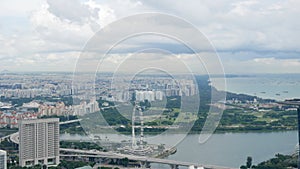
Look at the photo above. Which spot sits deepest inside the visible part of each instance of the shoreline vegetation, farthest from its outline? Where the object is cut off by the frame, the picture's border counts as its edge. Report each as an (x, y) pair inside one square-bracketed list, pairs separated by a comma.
[(192, 133), (280, 161), (243, 113)]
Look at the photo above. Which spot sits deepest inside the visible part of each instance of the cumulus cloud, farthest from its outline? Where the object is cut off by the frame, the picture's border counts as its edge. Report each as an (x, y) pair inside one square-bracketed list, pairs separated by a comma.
[(251, 33), (70, 22), (53, 30), (241, 25), (71, 10)]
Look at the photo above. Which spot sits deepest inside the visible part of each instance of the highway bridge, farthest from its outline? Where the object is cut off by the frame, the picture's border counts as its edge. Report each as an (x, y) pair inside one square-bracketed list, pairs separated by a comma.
[(142, 159), (69, 121), (7, 136)]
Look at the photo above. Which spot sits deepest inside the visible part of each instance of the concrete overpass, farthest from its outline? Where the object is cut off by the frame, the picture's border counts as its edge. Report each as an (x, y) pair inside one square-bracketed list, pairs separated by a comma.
[(5, 137), (142, 159), (110, 155), (70, 121)]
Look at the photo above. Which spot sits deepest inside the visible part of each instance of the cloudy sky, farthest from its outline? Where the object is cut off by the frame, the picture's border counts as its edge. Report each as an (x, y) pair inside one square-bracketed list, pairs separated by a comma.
[(249, 36)]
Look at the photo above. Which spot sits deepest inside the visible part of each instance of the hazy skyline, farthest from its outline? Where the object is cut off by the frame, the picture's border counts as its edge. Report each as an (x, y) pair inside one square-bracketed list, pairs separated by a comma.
[(249, 36)]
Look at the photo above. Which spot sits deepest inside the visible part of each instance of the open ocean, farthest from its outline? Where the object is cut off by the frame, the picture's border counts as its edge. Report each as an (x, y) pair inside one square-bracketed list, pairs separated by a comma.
[(271, 86)]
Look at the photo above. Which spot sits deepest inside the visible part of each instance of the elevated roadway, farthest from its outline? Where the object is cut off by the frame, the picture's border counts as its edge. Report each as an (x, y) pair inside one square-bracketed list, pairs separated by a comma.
[(172, 163)]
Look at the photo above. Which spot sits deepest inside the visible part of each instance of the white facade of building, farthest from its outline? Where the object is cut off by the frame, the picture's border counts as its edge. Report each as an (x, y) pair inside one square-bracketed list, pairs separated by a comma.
[(159, 95), (3, 159), (148, 95), (39, 142)]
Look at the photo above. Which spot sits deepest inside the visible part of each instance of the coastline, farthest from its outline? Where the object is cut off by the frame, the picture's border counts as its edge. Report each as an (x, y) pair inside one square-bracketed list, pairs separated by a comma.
[(192, 133)]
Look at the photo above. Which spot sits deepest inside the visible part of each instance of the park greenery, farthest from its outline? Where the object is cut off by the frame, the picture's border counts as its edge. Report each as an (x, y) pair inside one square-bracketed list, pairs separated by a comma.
[(278, 162), (80, 145), (7, 145), (234, 119), (251, 120), (62, 165)]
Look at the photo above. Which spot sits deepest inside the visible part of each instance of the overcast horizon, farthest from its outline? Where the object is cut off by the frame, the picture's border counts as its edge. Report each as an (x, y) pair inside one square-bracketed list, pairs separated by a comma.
[(250, 37)]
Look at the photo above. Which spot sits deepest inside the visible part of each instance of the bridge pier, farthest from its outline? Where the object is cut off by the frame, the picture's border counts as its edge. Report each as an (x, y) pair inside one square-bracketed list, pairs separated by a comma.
[(115, 161), (118, 159), (174, 166), (145, 164), (91, 159), (196, 167)]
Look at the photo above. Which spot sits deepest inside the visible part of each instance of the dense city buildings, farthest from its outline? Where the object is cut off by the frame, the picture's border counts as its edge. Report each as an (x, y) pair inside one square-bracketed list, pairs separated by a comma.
[(53, 94), (10, 119), (3, 164), (39, 142), (59, 85), (30, 96), (35, 109), (157, 104)]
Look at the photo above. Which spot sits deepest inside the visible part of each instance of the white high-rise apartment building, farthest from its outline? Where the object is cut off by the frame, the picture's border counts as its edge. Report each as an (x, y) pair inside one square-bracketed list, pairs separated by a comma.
[(39, 142), (144, 95), (159, 95), (3, 159)]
